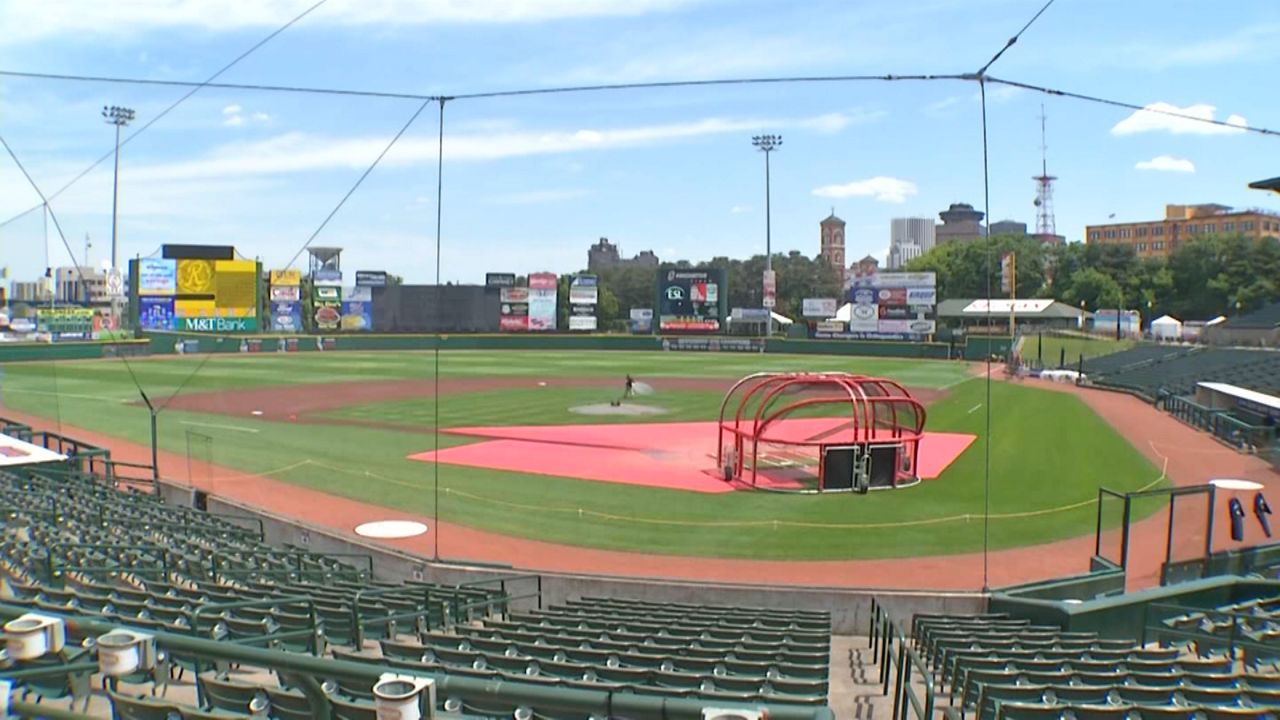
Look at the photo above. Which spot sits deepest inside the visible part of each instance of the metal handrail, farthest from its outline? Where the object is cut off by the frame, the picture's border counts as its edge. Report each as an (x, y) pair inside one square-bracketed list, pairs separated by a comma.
[(306, 668), (884, 634)]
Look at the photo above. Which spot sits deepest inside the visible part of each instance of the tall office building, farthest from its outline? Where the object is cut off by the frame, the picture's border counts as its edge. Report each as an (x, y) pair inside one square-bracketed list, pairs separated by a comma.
[(909, 238)]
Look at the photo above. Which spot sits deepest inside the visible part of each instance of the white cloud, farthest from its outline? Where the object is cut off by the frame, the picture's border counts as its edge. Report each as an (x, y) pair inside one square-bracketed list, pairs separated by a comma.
[(712, 54), (297, 152), (35, 20), (883, 189), (1184, 121), (739, 209), (233, 116), (1167, 163)]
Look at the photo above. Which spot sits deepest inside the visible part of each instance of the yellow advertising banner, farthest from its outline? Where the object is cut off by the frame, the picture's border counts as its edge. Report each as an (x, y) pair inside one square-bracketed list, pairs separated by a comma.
[(286, 277), (209, 309), (236, 284), (195, 277)]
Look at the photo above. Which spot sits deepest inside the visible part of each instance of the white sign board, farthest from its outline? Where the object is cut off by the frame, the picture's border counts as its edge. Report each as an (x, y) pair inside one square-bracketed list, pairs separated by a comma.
[(16, 452), (819, 307)]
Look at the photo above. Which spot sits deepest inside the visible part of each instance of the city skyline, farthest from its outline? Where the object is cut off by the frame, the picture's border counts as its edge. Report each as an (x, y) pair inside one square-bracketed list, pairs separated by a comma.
[(531, 180)]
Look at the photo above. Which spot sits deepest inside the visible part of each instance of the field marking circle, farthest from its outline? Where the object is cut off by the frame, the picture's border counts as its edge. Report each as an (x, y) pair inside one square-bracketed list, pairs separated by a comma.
[(391, 529)]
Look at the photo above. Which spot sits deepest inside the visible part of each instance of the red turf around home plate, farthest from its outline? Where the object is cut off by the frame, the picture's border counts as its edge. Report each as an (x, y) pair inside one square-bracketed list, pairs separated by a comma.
[(678, 455)]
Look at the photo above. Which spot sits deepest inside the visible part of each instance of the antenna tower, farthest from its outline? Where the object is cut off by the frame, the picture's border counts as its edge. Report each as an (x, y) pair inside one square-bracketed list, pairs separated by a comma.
[(1046, 231)]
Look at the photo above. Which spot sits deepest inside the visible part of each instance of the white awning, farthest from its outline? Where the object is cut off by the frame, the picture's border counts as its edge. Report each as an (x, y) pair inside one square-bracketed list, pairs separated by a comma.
[(1253, 396), (17, 452)]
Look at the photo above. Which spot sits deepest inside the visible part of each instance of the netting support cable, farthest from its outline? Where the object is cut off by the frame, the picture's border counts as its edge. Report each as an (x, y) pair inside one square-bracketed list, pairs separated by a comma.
[(986, 440), (435, 424)]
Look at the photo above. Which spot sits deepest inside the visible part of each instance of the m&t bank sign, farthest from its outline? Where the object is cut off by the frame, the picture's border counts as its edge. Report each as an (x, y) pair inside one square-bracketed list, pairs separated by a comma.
[(216, 324)]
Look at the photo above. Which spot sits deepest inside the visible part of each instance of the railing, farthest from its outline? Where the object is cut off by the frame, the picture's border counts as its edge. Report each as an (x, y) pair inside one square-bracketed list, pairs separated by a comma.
[(894, 653), (308, 672), (300, 555), (1234, 639)]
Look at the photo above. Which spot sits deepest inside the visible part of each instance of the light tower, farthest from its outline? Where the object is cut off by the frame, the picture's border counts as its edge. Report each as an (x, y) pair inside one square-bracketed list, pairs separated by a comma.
[(118, 116), (767, 144), (1046, 232)]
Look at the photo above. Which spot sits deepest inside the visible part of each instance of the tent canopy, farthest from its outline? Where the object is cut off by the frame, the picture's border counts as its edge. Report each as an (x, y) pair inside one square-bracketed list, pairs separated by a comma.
[(1167, 320)]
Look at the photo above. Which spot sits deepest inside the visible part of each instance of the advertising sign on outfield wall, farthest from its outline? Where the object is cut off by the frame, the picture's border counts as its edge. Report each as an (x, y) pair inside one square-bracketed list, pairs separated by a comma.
[(157, 277), (155, 313), (371, 278), (542, 301), (819, 307), (500, 280), (286, 316)]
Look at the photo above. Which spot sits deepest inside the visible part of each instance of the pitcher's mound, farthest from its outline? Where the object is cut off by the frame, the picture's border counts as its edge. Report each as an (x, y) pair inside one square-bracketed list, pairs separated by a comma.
[(623, 409)]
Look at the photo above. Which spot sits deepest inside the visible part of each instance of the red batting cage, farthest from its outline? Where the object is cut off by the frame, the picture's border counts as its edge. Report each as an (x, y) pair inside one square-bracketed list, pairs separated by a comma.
[(819, 432)]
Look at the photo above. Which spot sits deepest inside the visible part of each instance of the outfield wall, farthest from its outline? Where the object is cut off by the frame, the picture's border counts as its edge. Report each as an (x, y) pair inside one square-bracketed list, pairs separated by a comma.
[(165, 343), (162, 343), (850, 607)]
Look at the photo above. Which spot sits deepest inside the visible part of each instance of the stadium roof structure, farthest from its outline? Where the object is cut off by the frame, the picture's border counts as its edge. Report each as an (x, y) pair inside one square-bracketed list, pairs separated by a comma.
[(1265, 317), (1042, 309), (1272, 184)]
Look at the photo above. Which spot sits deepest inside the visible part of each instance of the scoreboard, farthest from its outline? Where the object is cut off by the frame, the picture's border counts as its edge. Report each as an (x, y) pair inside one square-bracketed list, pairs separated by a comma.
[(692, 301)]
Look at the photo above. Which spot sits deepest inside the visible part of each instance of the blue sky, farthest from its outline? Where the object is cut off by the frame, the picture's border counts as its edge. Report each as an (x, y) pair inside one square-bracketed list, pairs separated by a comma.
[(530, 182)]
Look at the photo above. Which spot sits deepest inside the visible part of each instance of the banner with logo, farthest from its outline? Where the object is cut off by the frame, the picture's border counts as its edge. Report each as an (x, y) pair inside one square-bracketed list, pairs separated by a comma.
[(371, 278), (65, 323), (542, 301), (156, 313), (499, 280), (641, 320), (513, 311), (286, 277), (830, 326), (324, 276), (890, 306), (865, 317), (157, 277), (819, 307), (286, 317), (922, 296), (217, 324), (770, 289), (285, 293)]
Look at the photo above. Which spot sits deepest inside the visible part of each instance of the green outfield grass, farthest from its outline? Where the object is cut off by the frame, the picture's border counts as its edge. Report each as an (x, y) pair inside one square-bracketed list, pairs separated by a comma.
[(1048, 451), (1053, 347)]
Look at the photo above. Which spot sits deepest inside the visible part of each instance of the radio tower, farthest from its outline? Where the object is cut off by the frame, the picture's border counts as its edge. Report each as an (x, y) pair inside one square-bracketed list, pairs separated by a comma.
[(1046, 232)]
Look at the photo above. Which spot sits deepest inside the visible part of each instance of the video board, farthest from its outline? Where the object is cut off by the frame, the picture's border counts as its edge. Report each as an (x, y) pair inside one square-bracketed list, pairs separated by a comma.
[(692, 301)]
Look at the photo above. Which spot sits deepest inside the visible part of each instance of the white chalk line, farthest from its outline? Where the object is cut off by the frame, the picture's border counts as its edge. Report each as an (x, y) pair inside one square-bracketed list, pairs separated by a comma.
[(236, 428)]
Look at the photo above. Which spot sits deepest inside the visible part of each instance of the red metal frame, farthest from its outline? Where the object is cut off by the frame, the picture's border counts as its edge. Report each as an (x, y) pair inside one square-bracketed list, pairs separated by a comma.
[(863, 394)]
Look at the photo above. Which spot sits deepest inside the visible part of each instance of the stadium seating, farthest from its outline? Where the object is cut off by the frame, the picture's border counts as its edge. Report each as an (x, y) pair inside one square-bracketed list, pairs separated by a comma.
[(1157, 370), (997, 666), (72, 546)]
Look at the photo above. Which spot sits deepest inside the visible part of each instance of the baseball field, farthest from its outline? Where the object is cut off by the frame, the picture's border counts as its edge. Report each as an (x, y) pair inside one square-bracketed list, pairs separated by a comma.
[(348, 424)]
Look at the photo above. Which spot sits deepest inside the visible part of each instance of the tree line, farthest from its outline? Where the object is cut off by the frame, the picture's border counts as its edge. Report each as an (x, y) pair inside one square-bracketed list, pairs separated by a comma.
[(1202, 278), (798, 277)]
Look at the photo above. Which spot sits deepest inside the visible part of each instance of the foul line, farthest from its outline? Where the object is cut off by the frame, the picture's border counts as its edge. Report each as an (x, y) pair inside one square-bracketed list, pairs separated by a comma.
[(975, 409), (763, 522), (236, 428)]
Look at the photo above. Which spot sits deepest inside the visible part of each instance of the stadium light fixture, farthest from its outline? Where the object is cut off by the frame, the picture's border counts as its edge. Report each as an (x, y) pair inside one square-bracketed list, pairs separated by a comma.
[(120, 117), (767, 144)]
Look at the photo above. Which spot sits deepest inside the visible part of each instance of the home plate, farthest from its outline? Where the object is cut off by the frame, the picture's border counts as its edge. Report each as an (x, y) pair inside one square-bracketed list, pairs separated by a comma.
[(256, 412), (391, 529)]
